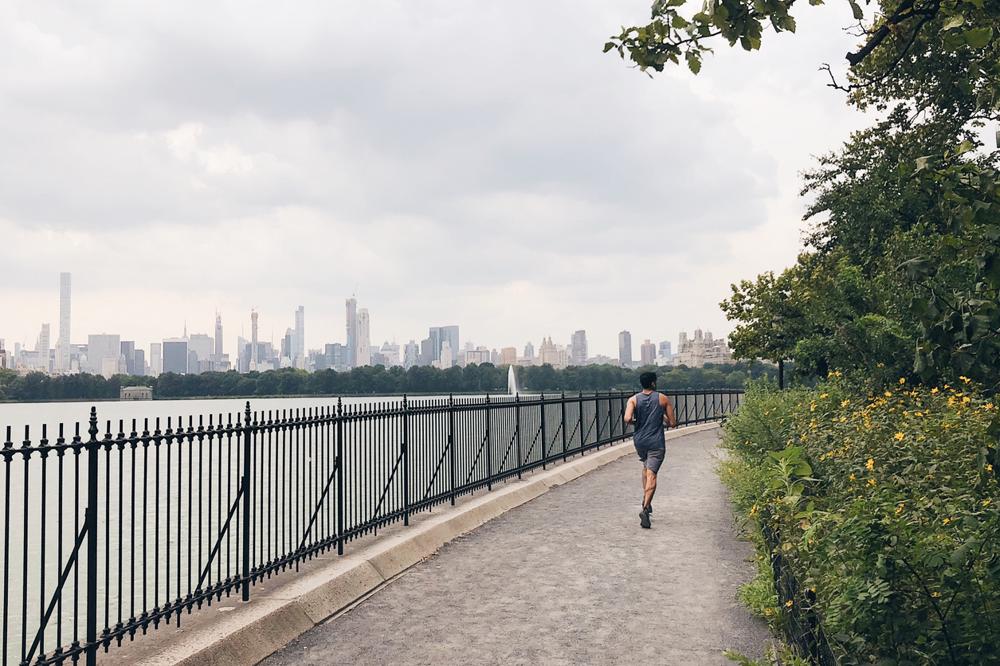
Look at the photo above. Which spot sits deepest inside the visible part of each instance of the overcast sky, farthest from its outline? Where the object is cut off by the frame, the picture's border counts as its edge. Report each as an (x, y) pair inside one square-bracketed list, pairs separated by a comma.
[(450, 162)]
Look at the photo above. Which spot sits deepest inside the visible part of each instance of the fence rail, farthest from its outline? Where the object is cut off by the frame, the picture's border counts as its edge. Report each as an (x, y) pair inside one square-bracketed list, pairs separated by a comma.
[(111, 532)]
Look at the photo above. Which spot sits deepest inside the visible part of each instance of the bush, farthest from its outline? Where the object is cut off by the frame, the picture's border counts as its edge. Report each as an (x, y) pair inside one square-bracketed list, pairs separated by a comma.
[(886, 508)]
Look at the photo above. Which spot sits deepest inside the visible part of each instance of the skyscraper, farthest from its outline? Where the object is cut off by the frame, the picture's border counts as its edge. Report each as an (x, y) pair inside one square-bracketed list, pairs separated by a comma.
[(217, 365), (411, 354), (437, 336), (625, 349), (63, 349), (203, 347), (155, 358), (175, 355), (128, 351), (364, 349), (254, 360), (43, 347), (103, 352), (140, 363), (508, 356), (352, 331), (447, 358), (578, 349), (299, 339), (529, 352), (647, 353), (665, 349)]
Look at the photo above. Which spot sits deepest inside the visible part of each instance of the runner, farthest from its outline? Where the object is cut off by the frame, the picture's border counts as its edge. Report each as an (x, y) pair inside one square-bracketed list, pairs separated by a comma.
[(650, 411)]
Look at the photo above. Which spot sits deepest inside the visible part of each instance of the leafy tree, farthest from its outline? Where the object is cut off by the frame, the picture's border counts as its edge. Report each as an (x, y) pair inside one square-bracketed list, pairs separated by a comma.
[(901, 273)]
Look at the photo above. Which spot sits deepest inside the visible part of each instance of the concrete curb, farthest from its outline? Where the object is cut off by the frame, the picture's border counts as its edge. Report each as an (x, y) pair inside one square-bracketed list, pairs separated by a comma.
[(252, 631)]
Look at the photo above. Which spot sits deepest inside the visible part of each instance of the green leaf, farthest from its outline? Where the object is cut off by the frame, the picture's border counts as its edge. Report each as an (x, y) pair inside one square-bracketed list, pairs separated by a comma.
[(693, 61), (954, 22), (977, 38), (856, 8), (608, 46)]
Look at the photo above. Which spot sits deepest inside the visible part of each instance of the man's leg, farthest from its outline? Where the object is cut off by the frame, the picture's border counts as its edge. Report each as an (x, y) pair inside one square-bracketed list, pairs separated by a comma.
[(649, 489)]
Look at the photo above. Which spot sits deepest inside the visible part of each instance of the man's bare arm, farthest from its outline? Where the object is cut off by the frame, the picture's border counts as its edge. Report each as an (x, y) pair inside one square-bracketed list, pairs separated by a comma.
[(669, 417), (630, 410)]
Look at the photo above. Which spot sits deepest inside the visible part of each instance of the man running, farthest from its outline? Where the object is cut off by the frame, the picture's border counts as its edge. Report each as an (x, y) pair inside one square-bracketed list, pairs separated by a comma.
[(651, 411)]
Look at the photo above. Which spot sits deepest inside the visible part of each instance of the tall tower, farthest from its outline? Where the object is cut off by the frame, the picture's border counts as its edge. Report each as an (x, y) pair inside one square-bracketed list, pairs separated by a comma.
[(578, 349), (352, 332), (364, 349), (63, 345), (625, 349), (299, 339), (253, 340), (42, 346), (218, 340)]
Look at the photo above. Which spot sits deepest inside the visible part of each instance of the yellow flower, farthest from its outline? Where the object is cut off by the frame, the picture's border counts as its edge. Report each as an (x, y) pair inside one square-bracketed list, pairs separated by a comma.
[(899, 509), (965, 380), (824, 395), (788, 604), (987, 502), (888, 394), (989, 467), (918, 413), (899, 437), (988, 406), (852, 477), (936, 594), (870, 465), (902, 380), (872, 482), (934, 391), (946, 521), (966, 400)]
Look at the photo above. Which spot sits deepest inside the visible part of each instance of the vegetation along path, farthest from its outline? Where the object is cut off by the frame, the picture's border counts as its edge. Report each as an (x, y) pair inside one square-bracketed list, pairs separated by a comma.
[(568, 578)]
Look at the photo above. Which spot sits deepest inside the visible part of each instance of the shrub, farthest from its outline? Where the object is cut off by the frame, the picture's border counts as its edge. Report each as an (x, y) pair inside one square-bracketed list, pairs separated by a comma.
[(886, 508)]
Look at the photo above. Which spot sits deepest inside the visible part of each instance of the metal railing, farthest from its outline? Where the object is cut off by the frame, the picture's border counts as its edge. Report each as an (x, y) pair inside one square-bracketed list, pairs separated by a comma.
[(109, 533)]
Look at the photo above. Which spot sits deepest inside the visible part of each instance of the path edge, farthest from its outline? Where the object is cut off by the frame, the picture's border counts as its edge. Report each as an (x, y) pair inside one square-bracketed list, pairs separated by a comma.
[(253, 631)]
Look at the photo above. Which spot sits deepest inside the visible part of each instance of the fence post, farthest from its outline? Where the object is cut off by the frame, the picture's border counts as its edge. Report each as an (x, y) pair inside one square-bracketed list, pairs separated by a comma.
[(583, 444), (451, 443), (541, 407), (562, 407), (406, 462), (489, 448), (246, 502), (91, 517), (339, 434), (611, 419), (517, 431)]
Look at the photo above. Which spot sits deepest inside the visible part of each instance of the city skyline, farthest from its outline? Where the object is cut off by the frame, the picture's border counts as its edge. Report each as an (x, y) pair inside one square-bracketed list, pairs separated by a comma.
[(107, 354), (500, 203)]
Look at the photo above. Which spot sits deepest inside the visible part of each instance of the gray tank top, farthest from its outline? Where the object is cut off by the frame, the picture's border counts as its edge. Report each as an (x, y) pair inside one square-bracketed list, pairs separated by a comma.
[(648, 421)]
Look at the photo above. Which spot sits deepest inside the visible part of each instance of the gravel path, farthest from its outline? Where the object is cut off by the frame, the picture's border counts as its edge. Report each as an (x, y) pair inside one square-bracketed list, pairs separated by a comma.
[(568, 578)]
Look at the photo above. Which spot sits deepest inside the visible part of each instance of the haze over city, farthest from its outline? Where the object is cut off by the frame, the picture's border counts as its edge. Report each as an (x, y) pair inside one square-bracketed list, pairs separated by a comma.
[(494, 179)]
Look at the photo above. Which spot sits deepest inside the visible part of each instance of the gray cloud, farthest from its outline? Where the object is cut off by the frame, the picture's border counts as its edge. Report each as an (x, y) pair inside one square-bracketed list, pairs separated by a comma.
[(482, 163)]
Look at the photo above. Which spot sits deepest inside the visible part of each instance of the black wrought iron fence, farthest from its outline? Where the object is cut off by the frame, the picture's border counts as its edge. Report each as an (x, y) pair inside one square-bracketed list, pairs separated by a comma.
[(109, 532), (800, 622)]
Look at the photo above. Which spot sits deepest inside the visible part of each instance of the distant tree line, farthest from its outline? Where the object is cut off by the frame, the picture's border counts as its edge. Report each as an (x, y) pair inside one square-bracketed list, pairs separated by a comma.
[(375, 380)]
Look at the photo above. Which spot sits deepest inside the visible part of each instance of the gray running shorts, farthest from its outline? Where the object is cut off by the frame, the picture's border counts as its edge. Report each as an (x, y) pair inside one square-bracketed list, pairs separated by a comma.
[(651, 458)]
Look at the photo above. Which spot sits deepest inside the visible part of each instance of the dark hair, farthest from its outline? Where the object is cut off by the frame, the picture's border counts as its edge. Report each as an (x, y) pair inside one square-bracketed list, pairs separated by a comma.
[(648, 380)]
